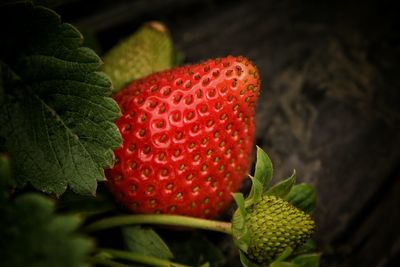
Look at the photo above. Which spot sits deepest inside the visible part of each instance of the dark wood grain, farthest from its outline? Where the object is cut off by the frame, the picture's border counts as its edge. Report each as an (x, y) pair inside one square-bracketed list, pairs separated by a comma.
[(329, 105)]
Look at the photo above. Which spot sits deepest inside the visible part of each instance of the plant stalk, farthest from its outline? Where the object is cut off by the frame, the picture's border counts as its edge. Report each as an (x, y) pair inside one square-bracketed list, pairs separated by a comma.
[(161, 219)]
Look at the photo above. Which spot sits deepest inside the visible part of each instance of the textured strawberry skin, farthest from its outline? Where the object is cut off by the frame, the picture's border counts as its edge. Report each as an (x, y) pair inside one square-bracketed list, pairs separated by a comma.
[(187, 138)]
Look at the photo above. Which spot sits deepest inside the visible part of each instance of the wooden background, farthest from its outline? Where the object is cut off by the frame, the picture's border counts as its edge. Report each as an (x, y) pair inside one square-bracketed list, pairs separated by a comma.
[(329, 105)]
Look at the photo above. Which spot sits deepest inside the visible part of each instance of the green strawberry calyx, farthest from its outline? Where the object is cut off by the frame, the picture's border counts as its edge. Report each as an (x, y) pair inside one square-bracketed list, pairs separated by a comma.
[(272, 222)]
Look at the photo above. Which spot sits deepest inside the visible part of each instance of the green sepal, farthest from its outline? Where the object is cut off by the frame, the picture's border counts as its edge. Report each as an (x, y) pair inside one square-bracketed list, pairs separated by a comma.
[(285, 254), (283, 188), (263, 171), (282, 264), (262, 176), (240, 233), (257, 190), (239, 200), (308, 247), (303, 196), (246, 262), (304, 260), (146, 241), (103, 255), (307, 260)]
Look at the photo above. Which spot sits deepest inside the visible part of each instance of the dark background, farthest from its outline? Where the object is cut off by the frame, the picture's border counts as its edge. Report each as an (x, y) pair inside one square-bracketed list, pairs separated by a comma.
[(329, 105)]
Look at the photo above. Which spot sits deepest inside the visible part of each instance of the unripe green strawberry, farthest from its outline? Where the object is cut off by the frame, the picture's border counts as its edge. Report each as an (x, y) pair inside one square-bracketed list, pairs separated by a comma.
[(146, 51), (273, 225)]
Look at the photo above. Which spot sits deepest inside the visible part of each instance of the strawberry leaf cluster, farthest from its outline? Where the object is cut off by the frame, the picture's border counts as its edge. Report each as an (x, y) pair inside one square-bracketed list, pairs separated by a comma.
[(56, 113), (33, 235), (56, 131)]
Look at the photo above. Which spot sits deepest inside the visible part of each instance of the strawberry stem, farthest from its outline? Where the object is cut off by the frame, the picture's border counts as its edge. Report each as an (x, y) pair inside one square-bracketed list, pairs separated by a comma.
[(161, 219), (131, 256)]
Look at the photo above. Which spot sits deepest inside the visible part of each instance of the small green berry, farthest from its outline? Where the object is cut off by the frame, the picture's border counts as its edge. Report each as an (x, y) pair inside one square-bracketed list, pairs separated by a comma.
[(273, 225), (146, 51)]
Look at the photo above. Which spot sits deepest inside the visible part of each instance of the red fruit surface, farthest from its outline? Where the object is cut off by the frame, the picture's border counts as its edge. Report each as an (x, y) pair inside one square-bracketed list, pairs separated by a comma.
[(187, 138)]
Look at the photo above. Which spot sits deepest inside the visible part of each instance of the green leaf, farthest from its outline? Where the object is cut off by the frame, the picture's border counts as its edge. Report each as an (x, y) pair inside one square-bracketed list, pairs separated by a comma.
[(303, 196), (146, 241), (283, 188), (7, 79), (240, 233), (307, 260), (57, 119), (32, 235), (194, 249), (147, 50), (246, 262), (262, 176)]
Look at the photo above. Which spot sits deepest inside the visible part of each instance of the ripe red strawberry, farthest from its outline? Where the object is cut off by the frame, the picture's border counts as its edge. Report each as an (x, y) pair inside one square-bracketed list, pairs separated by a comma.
[(187, 138)]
